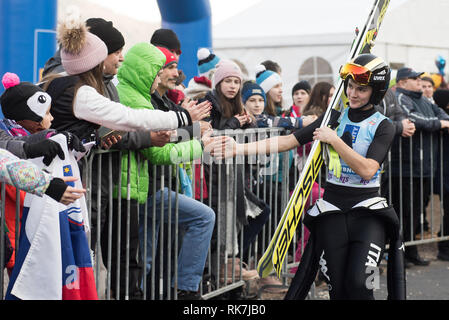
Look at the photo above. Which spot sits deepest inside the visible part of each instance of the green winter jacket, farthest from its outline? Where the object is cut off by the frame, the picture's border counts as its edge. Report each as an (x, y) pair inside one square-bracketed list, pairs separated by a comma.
[(136, 75)]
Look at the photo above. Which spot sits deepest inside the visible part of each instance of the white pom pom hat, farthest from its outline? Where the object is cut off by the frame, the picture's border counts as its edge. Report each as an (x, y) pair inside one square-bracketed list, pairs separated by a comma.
[(267, 79)]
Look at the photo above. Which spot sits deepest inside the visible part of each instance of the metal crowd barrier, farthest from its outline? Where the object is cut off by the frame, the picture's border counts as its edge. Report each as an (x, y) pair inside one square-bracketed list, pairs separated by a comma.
[(260, 173)]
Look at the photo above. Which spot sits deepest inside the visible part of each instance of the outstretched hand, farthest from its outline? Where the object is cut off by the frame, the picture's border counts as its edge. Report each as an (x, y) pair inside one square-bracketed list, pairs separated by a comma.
[(220, 147), (71, 194), (160, 138), (197, 111), (243, 119)]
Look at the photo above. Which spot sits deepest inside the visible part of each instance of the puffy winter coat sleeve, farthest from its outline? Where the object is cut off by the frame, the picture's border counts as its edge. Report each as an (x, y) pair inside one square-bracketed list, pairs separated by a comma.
[(15, 144), (390, 108), (89, 105), (12, 144), (174, 153), (134, 141), (440, 113), (22, 174), (422, 122)]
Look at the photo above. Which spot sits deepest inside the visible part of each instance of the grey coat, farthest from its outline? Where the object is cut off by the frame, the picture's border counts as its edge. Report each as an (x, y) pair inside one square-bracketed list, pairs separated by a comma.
[(15, 144)]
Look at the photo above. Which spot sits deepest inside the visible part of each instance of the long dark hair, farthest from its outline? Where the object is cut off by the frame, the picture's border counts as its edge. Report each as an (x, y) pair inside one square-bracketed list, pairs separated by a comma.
[(319, 97), (270, 106), (230, 107)]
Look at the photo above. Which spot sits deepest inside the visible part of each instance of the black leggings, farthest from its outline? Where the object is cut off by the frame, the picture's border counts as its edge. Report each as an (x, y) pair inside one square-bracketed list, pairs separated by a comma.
[(350, 246)]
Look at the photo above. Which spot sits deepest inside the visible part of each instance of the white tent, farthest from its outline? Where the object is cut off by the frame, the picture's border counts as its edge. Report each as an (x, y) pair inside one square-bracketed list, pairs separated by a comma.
[(313, 38)]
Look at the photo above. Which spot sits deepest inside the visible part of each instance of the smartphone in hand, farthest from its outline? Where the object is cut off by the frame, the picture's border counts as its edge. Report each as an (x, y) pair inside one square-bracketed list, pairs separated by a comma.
[(113, 133)]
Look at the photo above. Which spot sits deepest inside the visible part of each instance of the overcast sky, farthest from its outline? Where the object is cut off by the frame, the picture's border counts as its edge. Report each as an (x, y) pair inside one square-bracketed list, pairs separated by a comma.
[(148, 10)]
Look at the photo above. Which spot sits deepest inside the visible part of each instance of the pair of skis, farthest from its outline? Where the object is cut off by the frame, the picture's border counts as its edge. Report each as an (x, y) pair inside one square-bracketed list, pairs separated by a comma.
[(276, 251)]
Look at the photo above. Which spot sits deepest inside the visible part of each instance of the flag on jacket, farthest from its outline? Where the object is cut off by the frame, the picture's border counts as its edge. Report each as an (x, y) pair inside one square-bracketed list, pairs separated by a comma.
[(53, 261)]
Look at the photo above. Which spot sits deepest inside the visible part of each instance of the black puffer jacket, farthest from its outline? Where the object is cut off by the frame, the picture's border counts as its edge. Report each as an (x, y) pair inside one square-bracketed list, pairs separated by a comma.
[(426, 117), (217, 119), (238, 174)]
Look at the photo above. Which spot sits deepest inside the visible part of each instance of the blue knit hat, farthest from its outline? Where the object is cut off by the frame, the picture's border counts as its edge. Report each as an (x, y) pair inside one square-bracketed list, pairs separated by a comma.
[(267, 79), (207, 61), (250, 89)]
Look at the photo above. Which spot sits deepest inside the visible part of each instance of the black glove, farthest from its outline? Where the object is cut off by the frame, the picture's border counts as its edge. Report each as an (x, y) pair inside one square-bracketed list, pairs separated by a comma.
[(49, 149), (73, 142), (56, 189)]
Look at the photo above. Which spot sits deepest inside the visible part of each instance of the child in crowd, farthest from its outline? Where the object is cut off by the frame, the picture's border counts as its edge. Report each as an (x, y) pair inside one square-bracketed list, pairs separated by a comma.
[(320, 98), (26, 108), (228, 113), (271, 84), (226, 98), (255, 99)]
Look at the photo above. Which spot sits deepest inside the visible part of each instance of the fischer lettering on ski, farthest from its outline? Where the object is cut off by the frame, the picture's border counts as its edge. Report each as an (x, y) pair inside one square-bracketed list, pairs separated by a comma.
[(297, 209)]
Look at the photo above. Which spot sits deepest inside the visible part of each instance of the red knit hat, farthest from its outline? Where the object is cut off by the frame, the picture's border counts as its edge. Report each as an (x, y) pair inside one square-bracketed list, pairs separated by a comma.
[(169, 56)]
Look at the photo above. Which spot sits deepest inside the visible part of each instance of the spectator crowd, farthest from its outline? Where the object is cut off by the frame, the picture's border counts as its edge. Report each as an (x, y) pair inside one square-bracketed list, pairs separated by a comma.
[(158, 124)]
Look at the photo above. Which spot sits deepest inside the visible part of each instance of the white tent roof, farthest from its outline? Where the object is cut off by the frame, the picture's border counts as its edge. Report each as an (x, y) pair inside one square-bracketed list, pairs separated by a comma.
[(280, 18), (412, 33)]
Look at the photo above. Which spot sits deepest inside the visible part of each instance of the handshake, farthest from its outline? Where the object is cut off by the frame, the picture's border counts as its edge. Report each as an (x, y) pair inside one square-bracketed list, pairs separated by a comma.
[(219, 147)]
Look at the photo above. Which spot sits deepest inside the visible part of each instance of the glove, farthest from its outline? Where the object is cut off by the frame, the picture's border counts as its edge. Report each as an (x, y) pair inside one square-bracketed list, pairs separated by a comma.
[(49, 149), (73, 142), (334, 162), (56, 189)]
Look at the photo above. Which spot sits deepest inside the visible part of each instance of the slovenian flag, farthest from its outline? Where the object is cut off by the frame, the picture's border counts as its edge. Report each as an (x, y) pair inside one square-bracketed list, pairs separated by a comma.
[(53, 261)]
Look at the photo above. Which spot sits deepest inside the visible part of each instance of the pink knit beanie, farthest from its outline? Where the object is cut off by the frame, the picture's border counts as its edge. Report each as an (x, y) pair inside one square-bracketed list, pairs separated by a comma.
[(81, 50), (226, 68)]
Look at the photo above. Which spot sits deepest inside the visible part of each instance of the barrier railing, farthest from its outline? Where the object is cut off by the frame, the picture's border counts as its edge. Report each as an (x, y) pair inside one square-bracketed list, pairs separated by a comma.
[(120, 257)]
